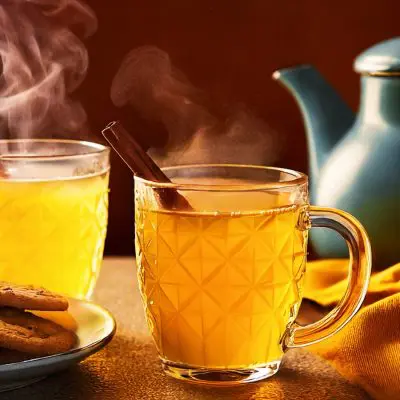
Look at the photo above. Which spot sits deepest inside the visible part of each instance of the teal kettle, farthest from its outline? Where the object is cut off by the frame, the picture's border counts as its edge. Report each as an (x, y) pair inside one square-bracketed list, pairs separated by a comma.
[(355, 159)]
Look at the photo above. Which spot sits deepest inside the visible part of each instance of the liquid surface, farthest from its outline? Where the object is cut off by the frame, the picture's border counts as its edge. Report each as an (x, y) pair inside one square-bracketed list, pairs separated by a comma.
[(219, 199), (52, 232), (220, 289)]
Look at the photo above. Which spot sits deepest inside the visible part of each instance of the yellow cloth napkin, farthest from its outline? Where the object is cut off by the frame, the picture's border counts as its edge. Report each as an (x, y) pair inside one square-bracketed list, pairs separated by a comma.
[(367, 350)]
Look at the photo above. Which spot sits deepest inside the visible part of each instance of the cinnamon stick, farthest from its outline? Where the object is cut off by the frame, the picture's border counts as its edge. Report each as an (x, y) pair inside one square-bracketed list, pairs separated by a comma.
[(3, 172), (142, 165)]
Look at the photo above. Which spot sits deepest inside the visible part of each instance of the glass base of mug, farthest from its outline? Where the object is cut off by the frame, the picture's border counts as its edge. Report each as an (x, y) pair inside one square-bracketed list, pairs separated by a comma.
[(226, 377)]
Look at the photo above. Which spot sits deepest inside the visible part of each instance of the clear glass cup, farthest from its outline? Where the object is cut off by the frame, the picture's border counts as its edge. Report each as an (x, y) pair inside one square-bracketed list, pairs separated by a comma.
[(53, 213), (222, 282)]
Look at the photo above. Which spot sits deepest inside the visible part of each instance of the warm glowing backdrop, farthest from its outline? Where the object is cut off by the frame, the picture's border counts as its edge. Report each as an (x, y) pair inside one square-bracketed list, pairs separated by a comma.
[(229, 49)]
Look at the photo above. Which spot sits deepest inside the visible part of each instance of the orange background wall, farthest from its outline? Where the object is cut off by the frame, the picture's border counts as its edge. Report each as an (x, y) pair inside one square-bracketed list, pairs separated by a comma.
[(229, 48)]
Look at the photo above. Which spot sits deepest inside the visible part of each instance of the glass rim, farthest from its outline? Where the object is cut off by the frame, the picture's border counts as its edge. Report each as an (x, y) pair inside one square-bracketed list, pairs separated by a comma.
[(97, 149), (299, 179)]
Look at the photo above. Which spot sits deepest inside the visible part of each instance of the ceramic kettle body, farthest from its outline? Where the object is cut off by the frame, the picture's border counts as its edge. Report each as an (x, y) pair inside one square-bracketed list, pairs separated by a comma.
[(355, 165), (362, 176)]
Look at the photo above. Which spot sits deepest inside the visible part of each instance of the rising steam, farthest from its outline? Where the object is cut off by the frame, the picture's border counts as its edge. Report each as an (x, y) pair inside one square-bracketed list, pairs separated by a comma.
[(42, 62), (149, 82)]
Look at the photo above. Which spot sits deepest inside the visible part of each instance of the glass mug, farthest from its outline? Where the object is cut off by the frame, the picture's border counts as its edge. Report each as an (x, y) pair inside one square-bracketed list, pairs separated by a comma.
[(222, 284), (53, 213)]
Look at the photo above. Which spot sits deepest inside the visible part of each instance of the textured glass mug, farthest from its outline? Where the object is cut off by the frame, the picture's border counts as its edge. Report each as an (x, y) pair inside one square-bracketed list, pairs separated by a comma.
[(222, 284), (53, 213)]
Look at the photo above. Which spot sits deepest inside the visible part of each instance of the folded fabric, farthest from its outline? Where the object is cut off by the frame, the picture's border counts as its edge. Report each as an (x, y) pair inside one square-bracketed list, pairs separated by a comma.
[(326, 282), (367, 350)]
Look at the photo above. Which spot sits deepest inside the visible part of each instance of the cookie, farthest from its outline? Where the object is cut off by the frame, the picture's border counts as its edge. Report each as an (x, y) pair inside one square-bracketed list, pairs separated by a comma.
[(28, 333), (30, 298), (8, 356)]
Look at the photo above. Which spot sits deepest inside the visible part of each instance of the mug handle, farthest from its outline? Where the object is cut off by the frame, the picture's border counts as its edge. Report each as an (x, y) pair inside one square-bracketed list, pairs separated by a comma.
[(359, 272)]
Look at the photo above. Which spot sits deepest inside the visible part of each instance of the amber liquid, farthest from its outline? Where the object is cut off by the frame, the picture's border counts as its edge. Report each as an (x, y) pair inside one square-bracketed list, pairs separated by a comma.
[(220, 289), (52, 232)]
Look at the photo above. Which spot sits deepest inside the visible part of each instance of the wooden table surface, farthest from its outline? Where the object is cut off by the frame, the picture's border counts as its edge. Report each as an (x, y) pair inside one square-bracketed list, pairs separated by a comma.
[(128, 368)]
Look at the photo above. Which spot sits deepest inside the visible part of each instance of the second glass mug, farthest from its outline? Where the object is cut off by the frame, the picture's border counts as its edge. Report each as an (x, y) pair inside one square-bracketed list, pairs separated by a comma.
[(222, 284), (53, 213)]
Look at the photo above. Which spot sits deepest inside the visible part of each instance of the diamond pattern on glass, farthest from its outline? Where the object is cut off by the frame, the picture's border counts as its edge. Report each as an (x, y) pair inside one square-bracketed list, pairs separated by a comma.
[(52, 232), (219, 290)]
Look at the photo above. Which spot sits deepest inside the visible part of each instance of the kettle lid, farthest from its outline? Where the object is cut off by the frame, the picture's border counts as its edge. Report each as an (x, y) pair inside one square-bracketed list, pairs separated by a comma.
[(380, 59)]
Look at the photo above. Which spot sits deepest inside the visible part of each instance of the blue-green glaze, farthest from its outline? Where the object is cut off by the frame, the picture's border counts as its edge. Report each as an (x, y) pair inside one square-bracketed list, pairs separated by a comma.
[(384, 57), (355, 159)]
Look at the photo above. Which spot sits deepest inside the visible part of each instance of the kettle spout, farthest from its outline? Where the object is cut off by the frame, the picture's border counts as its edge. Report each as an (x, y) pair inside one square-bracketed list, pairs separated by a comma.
[(327, 117)]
